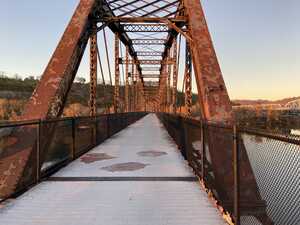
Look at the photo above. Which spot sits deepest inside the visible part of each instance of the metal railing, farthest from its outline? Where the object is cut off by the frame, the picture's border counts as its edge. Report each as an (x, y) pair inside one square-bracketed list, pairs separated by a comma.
[(253, 175), (51, 144)]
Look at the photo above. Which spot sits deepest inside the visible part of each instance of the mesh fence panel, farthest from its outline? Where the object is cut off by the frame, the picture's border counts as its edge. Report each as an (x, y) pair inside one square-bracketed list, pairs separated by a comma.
[(102, 128), (16, 145), (85, 134), (193, 144), (113, 124), (275, 163), (56, 143)]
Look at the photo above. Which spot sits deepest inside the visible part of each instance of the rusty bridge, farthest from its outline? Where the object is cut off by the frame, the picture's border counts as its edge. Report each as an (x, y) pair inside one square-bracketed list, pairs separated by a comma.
[(145, 160)]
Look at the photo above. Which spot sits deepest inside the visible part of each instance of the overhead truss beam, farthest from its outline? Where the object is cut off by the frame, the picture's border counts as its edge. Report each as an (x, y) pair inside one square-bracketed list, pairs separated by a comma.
[(151, 76), (146, 28), (150, 62), (119, 19), (148, 53), (151, 68), (148, 41)]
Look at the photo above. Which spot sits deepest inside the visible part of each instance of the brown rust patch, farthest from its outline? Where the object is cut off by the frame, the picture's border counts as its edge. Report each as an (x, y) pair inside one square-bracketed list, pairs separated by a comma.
[(151, 153), (122, 167), (94, 157)]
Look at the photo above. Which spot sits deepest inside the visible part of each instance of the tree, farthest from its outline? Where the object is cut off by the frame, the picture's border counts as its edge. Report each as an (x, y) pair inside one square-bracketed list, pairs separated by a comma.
[(80, 80)]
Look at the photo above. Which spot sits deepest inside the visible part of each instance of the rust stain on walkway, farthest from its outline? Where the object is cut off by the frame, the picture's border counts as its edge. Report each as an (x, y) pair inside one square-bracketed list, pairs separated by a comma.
[(130, 166), (151, 153), (94, 157)]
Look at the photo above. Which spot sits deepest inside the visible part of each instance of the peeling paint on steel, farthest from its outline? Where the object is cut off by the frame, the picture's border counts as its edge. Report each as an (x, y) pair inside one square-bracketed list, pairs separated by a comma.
[(213, 96)]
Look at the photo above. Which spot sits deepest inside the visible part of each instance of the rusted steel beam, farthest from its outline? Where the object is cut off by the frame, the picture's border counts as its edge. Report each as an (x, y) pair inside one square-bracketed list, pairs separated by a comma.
[(152, 84), (188, 81), (169, 69), (152, 61), (117, 75), (148, 41), (216, 106), (162, 95), (117, 28), (161, 8), (124, 5), (93, 71), (175, 77), (156, 27), (49, 96), (127, 81), (178, 19), (140, 7), (152, 68), (148, 53), (151, 76), (213, 96)]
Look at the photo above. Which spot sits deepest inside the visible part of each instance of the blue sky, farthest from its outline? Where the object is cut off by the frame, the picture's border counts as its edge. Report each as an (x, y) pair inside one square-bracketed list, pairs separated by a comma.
[(257, 42)]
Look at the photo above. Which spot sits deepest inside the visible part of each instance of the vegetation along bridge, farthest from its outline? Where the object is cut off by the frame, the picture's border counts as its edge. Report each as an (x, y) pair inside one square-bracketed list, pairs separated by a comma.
[(144, 160)]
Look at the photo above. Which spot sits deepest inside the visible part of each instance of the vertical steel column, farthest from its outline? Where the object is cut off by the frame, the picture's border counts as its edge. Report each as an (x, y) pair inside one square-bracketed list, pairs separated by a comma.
[(165, 87), (175, 77), (169, 68), (117, 75), (133, 87), (93, 70), (127, 81), (213, 98), (136, 88), (162, 88), (188, 81)]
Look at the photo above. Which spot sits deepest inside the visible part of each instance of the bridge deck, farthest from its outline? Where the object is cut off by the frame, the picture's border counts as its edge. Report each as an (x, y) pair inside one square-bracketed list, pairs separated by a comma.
[(136, 177)]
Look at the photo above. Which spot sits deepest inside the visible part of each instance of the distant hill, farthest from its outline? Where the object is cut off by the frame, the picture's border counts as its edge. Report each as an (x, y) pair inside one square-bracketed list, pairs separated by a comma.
[(282, 102), (17, 88)]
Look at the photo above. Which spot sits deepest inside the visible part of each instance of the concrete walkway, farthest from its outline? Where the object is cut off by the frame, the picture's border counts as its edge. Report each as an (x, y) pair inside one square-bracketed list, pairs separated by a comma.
[(138, 177)]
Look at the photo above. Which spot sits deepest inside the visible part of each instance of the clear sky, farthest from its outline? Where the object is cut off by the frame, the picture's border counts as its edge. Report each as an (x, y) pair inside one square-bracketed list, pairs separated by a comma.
[(257, 42)]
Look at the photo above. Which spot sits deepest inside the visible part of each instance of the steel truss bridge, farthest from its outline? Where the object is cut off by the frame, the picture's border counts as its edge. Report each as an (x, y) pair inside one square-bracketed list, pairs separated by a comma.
[(158, 36)]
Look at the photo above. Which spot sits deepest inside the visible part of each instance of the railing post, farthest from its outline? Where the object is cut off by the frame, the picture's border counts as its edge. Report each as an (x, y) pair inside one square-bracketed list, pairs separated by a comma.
[(38, 152), (95, 132), (73, 138), (236, 175), (183, 138), (107, 127), (202, 151)]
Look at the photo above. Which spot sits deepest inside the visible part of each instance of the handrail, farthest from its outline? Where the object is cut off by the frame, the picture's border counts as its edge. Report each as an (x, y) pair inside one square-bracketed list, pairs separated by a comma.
[(263, 133), (8, 124)]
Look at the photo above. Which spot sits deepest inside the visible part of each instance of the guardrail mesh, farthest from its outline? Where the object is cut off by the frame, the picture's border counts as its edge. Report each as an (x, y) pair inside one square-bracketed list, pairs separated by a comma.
[(254, 175)]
